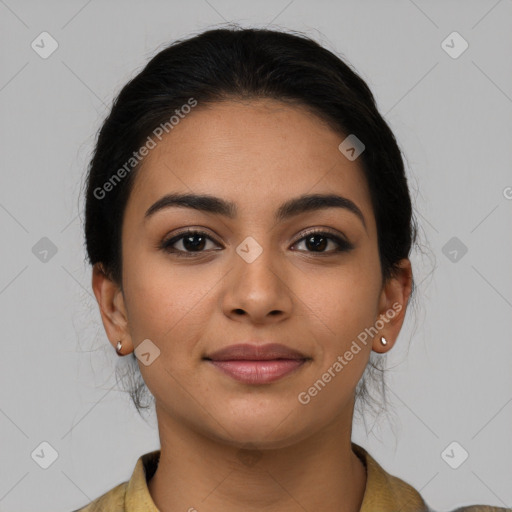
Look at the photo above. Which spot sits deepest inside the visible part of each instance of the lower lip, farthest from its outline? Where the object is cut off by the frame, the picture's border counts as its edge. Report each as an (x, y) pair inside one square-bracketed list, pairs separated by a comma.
[(258, 372)]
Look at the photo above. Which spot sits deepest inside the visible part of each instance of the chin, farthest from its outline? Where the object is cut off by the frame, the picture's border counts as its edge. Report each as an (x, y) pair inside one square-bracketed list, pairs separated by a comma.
[(262, 433)]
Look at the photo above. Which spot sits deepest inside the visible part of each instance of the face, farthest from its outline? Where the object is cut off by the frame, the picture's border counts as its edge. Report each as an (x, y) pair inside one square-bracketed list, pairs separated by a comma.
[(251, 276)]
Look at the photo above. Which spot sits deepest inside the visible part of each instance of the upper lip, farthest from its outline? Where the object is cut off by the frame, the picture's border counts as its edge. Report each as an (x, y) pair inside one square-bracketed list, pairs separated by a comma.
[(251, 352)]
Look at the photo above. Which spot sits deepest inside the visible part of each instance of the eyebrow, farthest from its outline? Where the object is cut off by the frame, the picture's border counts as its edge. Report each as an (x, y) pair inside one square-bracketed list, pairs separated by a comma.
[(291, 208)]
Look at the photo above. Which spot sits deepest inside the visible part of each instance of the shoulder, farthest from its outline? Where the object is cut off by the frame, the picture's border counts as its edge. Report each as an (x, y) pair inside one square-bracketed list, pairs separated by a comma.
[(111, 501), (410, 499), (132, 494), (388, 493), (403, 495)]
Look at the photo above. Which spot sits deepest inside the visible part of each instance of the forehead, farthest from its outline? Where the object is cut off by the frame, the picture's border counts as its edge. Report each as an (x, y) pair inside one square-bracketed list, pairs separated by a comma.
[(258, 153)]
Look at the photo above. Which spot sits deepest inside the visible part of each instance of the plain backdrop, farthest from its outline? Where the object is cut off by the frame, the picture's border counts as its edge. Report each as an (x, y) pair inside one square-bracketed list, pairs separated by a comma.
[(450, 378)]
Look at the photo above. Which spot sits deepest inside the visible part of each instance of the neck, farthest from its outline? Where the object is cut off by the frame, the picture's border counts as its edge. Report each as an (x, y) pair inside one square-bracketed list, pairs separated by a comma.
[(198, 473)]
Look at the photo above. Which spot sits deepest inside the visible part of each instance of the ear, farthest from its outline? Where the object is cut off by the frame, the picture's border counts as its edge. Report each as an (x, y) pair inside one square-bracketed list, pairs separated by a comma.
[(112, 308), (393, 305)]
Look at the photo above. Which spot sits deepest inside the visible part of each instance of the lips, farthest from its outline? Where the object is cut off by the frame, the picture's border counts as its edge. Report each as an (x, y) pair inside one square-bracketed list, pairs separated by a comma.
[(257, 364)]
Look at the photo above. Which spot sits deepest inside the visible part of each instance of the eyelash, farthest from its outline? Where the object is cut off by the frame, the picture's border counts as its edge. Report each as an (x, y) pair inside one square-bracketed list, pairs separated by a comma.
[(166, 245)]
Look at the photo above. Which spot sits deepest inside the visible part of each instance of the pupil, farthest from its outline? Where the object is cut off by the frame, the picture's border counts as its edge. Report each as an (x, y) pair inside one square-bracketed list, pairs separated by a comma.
[(318, 245), (193, 246)]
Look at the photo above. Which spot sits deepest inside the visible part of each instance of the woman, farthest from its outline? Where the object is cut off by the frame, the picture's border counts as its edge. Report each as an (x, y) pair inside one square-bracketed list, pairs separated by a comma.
[(249, 224)]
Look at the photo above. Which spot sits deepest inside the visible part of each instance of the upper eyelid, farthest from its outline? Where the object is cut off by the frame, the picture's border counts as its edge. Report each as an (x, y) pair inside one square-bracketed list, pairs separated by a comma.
[(326, 231)]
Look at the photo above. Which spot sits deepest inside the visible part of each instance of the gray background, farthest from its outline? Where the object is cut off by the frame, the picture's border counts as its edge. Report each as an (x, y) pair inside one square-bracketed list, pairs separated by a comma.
[(450, 378)]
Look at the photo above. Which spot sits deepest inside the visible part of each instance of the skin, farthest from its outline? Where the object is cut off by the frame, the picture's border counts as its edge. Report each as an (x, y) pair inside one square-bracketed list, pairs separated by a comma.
[(257, 153)]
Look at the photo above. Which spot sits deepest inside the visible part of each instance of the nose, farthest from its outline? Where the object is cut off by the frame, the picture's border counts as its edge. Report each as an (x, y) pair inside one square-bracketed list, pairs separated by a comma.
[(257, 291)]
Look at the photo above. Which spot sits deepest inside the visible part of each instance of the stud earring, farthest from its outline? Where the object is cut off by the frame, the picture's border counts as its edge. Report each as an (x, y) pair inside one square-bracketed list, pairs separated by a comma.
[(118, 348), (383, 340)]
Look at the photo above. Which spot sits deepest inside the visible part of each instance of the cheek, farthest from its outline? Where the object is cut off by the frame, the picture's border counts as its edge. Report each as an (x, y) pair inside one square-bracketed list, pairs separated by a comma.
[(341, 305), (345, 298), (164, 306), (353, 304), (155, 296), (167, 302)]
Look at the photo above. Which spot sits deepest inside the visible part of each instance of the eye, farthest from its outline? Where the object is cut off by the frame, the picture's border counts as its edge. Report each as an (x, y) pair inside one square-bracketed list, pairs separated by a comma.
[(192, 241), (318, 240)]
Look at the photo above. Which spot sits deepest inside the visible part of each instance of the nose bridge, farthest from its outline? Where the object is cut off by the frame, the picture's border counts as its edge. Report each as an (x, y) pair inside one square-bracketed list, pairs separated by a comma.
[(256, 238), (256, 261)]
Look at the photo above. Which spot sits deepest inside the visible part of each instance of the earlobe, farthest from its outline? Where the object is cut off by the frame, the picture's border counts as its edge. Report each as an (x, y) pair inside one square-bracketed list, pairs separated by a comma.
[(382, 344)]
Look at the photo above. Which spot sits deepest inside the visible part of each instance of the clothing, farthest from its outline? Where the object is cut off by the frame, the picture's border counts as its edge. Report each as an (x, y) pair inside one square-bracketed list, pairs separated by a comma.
[(383, 493)]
